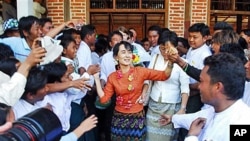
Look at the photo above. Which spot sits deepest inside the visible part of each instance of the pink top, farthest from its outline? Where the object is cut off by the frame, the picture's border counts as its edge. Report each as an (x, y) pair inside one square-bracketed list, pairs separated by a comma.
[(128, 87)]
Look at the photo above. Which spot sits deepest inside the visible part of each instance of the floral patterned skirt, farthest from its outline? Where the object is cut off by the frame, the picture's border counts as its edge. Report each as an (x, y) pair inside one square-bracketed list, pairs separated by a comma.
[(128, 127)]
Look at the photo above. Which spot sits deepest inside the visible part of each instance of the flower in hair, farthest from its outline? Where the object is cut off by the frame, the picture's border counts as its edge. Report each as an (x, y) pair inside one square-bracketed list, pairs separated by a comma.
[(135, 57)]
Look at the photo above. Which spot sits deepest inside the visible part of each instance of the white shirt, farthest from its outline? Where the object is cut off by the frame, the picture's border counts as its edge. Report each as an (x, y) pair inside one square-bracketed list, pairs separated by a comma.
[(154, 50), (11, 89), (195, 57), (22, 108), (75, 77), (171, 89), (246, 95), (69, 137), (107, 65), (60, 102), (96, 59), (84, 55), (217, 124)]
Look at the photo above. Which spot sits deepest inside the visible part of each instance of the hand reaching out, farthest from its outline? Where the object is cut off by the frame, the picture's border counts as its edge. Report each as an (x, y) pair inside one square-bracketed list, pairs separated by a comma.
[(165, 119), (86, 125), (81, 83), (92, 69), (196, 126), (89, 123)]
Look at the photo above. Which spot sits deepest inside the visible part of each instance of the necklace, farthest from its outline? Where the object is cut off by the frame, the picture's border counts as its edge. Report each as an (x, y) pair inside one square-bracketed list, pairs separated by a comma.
[(120, 99)]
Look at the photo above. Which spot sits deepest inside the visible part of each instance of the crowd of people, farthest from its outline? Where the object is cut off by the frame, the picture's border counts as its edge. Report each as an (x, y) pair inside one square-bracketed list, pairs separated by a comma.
[(116, 87)]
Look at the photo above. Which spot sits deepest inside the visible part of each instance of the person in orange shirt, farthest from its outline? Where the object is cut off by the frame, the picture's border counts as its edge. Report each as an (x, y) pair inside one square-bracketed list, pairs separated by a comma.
[(128, 122)]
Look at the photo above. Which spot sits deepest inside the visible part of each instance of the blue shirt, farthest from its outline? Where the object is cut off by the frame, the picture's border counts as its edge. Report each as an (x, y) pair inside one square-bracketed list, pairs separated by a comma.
[(69, 137), (19, 46)]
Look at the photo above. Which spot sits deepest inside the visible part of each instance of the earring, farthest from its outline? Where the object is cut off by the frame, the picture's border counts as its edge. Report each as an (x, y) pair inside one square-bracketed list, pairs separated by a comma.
[(116, 61)]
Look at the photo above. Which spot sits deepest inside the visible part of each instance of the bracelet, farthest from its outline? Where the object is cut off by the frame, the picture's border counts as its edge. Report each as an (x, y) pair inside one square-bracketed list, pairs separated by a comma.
[(183, 66), (185, 69)]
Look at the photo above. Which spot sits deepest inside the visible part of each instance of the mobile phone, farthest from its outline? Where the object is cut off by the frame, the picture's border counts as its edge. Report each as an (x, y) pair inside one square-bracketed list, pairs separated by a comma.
[(39, 43)]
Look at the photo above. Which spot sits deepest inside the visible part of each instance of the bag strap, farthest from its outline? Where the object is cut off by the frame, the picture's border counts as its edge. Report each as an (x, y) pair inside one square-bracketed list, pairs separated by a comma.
[(154, 66), (155, 60)]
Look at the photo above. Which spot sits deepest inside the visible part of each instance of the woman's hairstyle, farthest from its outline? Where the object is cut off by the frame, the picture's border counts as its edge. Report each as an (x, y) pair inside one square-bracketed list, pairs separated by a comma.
[(116, 49), (168, 36), (226, 37)]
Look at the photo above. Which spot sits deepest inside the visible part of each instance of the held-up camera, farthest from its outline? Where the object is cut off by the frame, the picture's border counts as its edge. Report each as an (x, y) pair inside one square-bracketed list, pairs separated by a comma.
[(39, 125)]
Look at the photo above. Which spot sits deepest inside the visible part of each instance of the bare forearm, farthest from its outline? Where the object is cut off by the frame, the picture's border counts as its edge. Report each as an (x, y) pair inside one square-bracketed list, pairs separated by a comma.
[(99, 87), (56, 30), (24, 69), (145, 88), (184, 99), (180, 62), (57, 87)]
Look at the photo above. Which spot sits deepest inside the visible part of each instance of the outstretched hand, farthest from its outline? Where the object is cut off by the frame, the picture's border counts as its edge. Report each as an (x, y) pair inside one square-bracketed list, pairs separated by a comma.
[(86, 125), (165, 120), (92, 69), (89, 123), (196, 126)]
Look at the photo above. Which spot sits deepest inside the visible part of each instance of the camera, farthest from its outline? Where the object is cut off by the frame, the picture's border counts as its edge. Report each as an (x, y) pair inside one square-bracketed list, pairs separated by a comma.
[(39, 125)]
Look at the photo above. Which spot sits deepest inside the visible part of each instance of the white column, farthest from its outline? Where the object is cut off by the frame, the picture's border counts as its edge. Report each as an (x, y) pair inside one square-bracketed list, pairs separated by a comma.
[(24, 8)]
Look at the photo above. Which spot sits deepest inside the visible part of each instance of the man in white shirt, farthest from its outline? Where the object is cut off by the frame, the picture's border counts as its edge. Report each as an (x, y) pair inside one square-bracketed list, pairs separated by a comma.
[(154, 33), (88, 36), (220, 90), (35, 90)]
